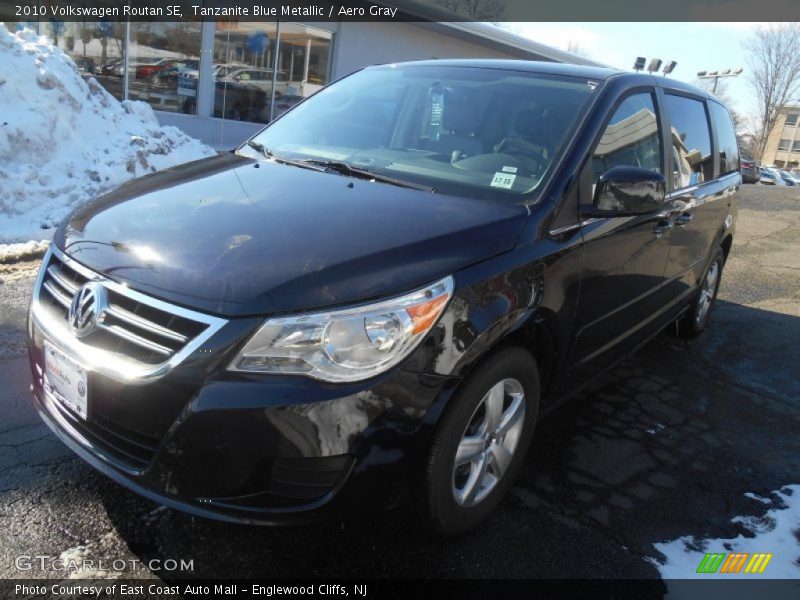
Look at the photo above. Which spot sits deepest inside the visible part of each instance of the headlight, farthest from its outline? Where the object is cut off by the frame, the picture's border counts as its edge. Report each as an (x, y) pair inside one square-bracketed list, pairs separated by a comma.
[(349, 344)]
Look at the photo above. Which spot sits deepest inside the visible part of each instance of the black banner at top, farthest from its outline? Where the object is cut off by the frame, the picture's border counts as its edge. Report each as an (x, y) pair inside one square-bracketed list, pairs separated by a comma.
[(400, 10)]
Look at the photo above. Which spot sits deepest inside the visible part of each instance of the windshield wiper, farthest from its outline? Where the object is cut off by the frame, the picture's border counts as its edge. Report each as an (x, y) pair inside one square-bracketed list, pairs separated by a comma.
[(260, 148), (348, 169), (340, 167), (267, 153)]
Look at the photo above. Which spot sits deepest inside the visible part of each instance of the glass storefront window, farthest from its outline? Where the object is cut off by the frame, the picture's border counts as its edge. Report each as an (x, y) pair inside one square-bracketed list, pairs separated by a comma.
[(163, 65), (244, 68), (97, 47), (304, 57)]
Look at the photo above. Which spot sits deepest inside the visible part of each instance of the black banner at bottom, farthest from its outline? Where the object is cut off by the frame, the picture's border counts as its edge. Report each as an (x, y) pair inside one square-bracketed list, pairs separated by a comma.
[(574, 589)]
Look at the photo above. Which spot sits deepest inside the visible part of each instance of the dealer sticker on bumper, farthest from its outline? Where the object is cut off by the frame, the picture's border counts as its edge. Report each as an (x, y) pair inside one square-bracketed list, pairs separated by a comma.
[(65, 380)]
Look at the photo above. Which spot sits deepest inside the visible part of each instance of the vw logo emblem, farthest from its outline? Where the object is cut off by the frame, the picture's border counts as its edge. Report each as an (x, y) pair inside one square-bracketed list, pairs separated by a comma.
[(88, 304)]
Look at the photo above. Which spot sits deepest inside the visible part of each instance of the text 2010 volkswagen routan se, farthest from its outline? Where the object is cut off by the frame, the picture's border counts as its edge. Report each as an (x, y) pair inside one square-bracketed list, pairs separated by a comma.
[(380, 293)]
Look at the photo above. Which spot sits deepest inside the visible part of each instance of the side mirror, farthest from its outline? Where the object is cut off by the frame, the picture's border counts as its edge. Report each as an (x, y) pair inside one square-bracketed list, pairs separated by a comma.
[(624, 191)]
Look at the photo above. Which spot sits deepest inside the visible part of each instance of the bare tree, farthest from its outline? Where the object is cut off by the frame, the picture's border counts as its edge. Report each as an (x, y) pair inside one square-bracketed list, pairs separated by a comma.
[(119, 38), (574, 46), (479, 10), (184, 37), (745, 126), (724, 94), (86, 36), (774, 60)]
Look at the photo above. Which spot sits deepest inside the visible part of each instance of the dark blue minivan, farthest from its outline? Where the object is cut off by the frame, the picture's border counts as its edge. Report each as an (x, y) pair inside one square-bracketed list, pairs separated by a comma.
[(379, 295)]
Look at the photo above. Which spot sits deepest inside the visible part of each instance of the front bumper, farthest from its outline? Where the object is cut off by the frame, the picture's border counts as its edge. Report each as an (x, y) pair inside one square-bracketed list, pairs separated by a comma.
[(250, 451), (240, 447)]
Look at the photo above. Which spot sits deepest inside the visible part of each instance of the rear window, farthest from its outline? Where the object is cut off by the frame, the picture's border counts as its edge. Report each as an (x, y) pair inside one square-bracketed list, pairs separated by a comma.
[(692, 162), (726, 136)]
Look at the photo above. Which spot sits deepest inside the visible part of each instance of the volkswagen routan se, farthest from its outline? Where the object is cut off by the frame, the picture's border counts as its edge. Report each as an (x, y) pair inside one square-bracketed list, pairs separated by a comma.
[(378, 296)]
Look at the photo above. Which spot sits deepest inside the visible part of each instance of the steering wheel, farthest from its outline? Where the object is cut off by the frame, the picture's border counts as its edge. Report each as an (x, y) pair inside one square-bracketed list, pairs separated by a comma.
[(512, 145)]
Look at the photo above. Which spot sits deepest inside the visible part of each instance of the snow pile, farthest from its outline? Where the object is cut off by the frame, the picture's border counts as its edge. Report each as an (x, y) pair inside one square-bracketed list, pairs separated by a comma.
[(65, 140), (777, 532), (11, 253)]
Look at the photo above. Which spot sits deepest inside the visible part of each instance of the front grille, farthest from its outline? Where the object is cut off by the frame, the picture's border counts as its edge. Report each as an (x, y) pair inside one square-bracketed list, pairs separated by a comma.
[(131, 450), (127, 327), (135, 339)]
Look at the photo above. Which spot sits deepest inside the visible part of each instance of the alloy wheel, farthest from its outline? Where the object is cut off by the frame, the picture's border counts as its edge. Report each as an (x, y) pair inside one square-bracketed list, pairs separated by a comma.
[(707, 290), (488, 443)]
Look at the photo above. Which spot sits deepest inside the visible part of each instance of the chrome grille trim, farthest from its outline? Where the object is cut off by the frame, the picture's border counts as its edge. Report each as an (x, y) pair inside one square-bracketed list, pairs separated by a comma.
[(138, 340), (137, 321), (111, 364), (57, 295), (113, 310), (55, 274)]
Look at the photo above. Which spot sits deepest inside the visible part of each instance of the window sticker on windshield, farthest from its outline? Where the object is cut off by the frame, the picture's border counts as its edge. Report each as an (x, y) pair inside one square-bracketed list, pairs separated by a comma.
[(509, 169), (503, 180), (436, 111)]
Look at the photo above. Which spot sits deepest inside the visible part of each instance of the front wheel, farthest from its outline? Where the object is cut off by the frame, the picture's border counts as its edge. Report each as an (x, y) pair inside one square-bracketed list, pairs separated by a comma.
[(698, 316), (481, 442)]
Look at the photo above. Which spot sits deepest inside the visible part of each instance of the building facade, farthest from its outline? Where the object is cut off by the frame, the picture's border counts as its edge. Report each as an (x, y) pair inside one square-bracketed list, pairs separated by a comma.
[(222, 81), (783, 144)]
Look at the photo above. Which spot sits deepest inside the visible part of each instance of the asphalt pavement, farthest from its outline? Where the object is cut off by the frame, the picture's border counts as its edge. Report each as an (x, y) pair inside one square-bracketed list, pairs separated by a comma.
[(664, 446)]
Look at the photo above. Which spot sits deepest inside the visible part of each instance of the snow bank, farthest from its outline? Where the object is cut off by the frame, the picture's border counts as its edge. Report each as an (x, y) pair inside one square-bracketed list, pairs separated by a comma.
[(65, 140), (778, 532), (11, 253)]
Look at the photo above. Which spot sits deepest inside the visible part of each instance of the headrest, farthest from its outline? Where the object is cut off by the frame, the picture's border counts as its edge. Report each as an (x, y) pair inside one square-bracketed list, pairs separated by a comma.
[(529, 123), (460, 118)]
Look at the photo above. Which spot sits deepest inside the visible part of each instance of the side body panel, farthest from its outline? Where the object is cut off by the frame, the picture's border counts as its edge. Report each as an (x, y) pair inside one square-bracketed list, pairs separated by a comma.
[(581, 293)]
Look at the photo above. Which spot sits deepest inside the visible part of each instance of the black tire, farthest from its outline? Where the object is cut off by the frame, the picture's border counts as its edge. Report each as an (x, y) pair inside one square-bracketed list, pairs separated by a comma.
[(437, 494), (696, 319)]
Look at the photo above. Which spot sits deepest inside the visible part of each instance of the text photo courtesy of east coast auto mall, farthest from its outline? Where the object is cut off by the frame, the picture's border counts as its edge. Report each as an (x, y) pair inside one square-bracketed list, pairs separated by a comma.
[(397, 299)]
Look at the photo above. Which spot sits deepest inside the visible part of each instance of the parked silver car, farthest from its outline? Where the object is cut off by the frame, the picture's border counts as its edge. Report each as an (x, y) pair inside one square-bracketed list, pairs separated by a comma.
[(771, 176)]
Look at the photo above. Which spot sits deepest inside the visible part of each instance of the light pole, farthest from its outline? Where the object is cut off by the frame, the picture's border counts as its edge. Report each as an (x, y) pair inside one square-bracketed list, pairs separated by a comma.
[(654, 66), (717, 75)]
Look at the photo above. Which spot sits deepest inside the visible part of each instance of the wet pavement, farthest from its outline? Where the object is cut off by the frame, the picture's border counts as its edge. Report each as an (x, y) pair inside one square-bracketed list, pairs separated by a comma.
[(666, 445)]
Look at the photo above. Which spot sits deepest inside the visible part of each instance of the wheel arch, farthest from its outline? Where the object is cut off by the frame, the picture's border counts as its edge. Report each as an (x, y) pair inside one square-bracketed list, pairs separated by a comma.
[(534, 333), (535, 336), (726, 244)]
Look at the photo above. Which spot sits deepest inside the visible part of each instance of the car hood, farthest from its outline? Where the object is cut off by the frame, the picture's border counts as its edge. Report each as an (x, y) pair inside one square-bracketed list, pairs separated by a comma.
[(234, 236)]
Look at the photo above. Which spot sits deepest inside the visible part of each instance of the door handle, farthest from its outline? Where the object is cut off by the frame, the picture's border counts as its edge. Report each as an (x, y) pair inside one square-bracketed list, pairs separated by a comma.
[(663, 227), (684, 219)]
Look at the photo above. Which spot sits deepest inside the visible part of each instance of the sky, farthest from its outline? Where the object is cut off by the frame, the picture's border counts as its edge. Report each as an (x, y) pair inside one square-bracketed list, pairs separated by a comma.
[(694, 46)]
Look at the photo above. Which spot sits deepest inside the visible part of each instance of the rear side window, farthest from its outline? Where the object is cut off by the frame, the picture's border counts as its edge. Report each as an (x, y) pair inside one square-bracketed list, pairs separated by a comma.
[(726, 136), (631, 138), (692, 162)]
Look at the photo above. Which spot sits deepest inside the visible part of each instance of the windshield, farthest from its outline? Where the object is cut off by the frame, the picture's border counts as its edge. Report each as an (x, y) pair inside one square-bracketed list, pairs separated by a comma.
[(475, 132)]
